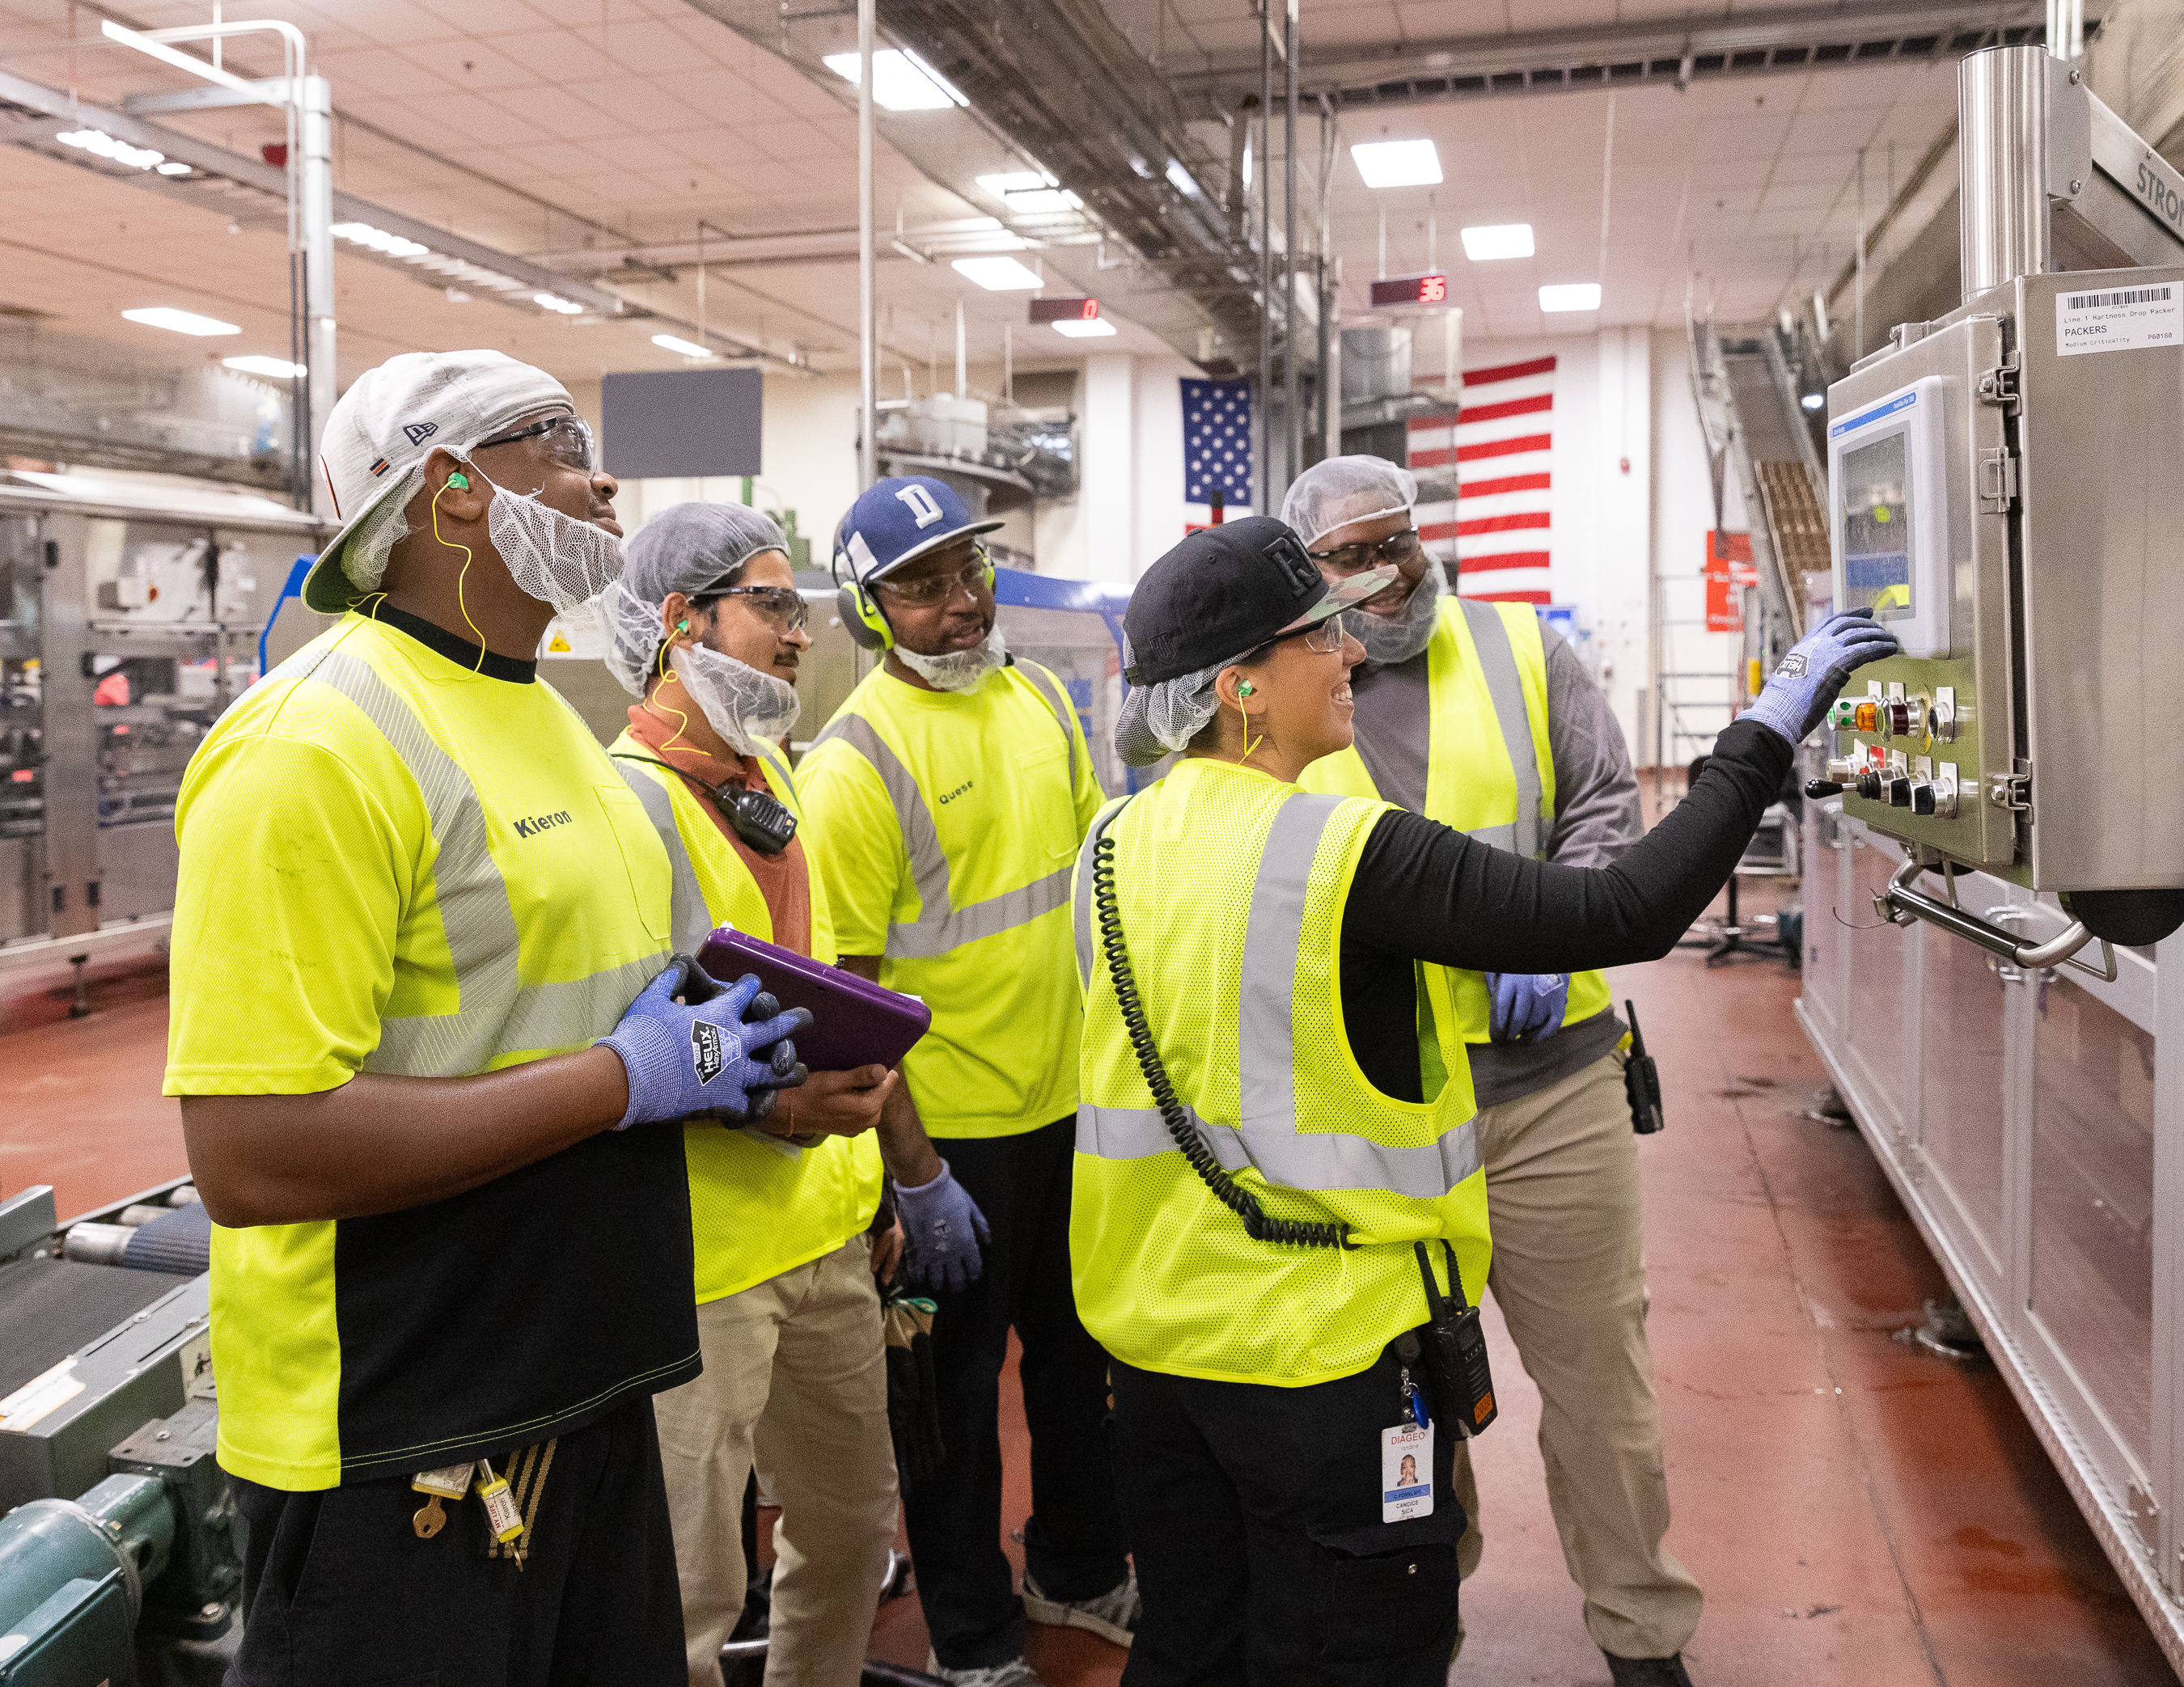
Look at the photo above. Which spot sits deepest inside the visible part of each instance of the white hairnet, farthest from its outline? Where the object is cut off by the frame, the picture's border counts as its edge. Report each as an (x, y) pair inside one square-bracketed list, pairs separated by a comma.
[(688, 547), (1341, 490), (1159, 719), (364, 558)]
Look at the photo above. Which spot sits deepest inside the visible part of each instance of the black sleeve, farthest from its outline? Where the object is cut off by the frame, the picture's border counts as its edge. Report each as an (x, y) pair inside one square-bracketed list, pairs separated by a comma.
[(1425, 892)]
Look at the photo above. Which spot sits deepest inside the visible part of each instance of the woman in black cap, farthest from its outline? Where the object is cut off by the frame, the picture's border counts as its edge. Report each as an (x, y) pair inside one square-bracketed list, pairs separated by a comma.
[(1279, 1214)]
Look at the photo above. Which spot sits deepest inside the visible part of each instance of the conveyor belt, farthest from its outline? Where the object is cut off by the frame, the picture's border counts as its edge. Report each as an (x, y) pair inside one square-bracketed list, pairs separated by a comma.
[(49, 1308)]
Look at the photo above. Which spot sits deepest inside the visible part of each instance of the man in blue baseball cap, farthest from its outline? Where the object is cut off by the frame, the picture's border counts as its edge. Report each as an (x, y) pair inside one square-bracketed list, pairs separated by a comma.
[(947, 800)]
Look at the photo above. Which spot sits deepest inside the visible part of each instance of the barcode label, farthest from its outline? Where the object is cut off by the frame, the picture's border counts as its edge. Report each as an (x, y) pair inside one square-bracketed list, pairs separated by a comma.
[(2120, 320), (2086, 301)]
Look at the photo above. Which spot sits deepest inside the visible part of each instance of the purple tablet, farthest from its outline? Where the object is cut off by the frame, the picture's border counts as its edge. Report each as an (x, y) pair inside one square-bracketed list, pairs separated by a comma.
[(853, 1022)]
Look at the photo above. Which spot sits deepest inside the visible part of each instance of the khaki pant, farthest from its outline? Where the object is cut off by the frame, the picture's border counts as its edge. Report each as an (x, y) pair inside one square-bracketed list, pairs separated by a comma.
[(795, 1376), (1570, 1277)]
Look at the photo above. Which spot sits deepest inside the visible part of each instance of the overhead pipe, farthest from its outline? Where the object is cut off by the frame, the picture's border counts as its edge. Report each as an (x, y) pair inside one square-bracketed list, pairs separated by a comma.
[(867, 365), (1293, 405), (1266, 396)]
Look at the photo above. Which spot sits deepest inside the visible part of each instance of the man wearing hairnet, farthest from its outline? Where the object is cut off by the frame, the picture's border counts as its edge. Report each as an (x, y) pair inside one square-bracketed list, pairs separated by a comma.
[(706, 630), (1476, 715)]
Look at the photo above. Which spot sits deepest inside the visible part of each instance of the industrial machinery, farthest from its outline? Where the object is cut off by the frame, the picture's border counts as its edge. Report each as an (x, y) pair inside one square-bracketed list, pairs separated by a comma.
[(118, 1560), (131, 609), (2003, 493)]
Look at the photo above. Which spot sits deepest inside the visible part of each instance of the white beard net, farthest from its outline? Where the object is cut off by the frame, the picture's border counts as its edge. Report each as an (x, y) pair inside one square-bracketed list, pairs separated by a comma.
[(634, 632), (554, 557), (1388, 639), (959, 669), (364, 558), (745, 706)]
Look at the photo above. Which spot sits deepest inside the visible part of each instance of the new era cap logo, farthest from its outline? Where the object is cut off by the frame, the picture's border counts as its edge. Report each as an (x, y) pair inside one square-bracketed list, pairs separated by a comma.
[(418, 432), (706, 1051)]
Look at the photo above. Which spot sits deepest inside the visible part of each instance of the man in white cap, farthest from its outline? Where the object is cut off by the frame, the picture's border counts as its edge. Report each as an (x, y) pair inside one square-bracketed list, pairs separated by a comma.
[(1477, 716), (429, 1040)]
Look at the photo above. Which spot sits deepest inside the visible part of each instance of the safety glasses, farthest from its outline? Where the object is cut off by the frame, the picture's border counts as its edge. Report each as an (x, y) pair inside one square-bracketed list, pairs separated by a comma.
[(780, 607), (1398, 548), (567, 440), (1323, 637), (973, 577)]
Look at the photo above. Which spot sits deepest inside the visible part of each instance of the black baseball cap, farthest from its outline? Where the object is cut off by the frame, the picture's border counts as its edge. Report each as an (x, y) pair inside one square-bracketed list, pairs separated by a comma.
[(1225, 591)]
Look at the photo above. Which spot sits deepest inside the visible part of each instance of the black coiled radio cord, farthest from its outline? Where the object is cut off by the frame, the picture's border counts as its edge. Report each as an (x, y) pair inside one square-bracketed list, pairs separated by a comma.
[(1260, 1226)]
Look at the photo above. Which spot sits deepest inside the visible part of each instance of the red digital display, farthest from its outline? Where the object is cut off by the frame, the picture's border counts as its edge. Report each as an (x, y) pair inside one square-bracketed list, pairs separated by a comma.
[(1412, 290), (1064, 309)]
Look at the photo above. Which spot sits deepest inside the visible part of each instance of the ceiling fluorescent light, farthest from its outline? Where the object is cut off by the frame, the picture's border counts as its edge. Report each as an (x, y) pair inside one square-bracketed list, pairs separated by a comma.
[(998, 275), (1038, 199), (901, 81), (1184, 183), (272, 368), (100, 144), (181, 321), (1014, 181), (1397, 164), (685, 348), (393, 245), (1497, 239), (1571, 296), (1077, 328), (557, 305)]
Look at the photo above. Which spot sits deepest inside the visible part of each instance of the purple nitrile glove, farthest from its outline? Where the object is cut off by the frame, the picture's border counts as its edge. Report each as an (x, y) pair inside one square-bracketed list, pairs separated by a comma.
[(941, 1230), (1528, 1007)]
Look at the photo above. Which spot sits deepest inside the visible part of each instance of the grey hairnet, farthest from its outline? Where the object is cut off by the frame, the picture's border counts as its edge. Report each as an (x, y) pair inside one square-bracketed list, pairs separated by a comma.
[(688, 547), (364, 558), (1159, 719), (1341, 490)]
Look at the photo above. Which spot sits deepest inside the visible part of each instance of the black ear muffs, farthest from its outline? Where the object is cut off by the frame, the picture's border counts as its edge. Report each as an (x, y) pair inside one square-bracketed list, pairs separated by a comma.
[(862, 617)]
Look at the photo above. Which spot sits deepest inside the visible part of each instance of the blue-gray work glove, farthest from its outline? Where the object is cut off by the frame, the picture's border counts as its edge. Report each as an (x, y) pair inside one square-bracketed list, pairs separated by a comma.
[(702, 1055), (1527, 1007), (941, 1230), (1796, 699)]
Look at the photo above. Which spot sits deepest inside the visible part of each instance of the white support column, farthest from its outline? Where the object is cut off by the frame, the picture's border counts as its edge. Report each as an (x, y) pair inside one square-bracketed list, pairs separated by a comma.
[(1107, 490), (1623, 553), (316, 193)]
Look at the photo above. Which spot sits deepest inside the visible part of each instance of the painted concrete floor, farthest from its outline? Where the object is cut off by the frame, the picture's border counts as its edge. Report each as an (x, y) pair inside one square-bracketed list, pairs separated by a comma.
[(1857, 1510)]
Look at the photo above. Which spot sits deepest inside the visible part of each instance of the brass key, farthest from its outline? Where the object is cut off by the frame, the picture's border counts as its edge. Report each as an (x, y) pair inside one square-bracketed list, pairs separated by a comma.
[(430, 1519)]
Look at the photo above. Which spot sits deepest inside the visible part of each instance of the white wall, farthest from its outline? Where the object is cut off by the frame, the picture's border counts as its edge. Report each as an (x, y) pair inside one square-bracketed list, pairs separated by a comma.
[(1683, 512), (1128, 507)]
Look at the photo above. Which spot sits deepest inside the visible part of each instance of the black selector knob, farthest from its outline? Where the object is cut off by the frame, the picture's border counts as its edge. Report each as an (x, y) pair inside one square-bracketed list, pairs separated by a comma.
[(1868, 786), (1818, 788), (1922, 799), (1899, 793)]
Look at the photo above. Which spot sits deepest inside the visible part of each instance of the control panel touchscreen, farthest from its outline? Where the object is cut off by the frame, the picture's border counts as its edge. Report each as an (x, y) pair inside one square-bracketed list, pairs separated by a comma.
[(1877, 529)]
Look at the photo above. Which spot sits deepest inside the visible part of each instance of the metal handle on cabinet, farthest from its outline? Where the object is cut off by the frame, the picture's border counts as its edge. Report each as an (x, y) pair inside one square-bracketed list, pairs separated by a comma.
[(1900, 903)]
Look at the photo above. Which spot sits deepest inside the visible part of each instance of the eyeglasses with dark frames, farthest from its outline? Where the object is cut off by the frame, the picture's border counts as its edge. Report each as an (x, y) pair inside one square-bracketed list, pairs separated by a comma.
[(1397, 549)]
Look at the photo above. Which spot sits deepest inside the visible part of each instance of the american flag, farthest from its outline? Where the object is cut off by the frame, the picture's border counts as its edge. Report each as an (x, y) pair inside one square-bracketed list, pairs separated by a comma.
[(1498, 451), (1217, 450)]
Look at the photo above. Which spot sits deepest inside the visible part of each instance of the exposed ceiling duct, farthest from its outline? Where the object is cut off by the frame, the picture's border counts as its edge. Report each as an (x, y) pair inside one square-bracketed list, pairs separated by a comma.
[(1654, 52), (1151, 233)]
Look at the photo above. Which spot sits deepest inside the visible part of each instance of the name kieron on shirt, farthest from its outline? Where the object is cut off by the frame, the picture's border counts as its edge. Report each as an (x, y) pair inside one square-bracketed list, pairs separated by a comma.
[(540, 822)]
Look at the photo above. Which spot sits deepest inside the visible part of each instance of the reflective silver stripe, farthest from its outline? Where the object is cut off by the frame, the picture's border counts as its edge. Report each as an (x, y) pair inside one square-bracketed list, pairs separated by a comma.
[(497, 1015), (940, 926), (1066, 712), (1285, 1159), (1267, 1138), (691, 922), (926, 940), (1495, 837), (1273, 931), (1497, 665), (1088, 941)]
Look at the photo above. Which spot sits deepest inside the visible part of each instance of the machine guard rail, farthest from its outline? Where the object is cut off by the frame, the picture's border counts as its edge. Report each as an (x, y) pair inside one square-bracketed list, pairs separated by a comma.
[(1900, 903)]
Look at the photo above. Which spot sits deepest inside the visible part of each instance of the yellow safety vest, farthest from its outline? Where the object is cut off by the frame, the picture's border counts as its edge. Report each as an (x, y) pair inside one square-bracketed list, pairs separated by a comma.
[(1489, 770), (1230, 888), (759, 1207)]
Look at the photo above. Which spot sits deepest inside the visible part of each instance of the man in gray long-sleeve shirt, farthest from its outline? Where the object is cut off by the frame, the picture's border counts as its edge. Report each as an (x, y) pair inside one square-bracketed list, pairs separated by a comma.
[(1475, 714)]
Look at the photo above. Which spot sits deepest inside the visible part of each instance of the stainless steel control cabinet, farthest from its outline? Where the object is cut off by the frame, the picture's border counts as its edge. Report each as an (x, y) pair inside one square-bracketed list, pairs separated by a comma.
[(2066, 567)]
